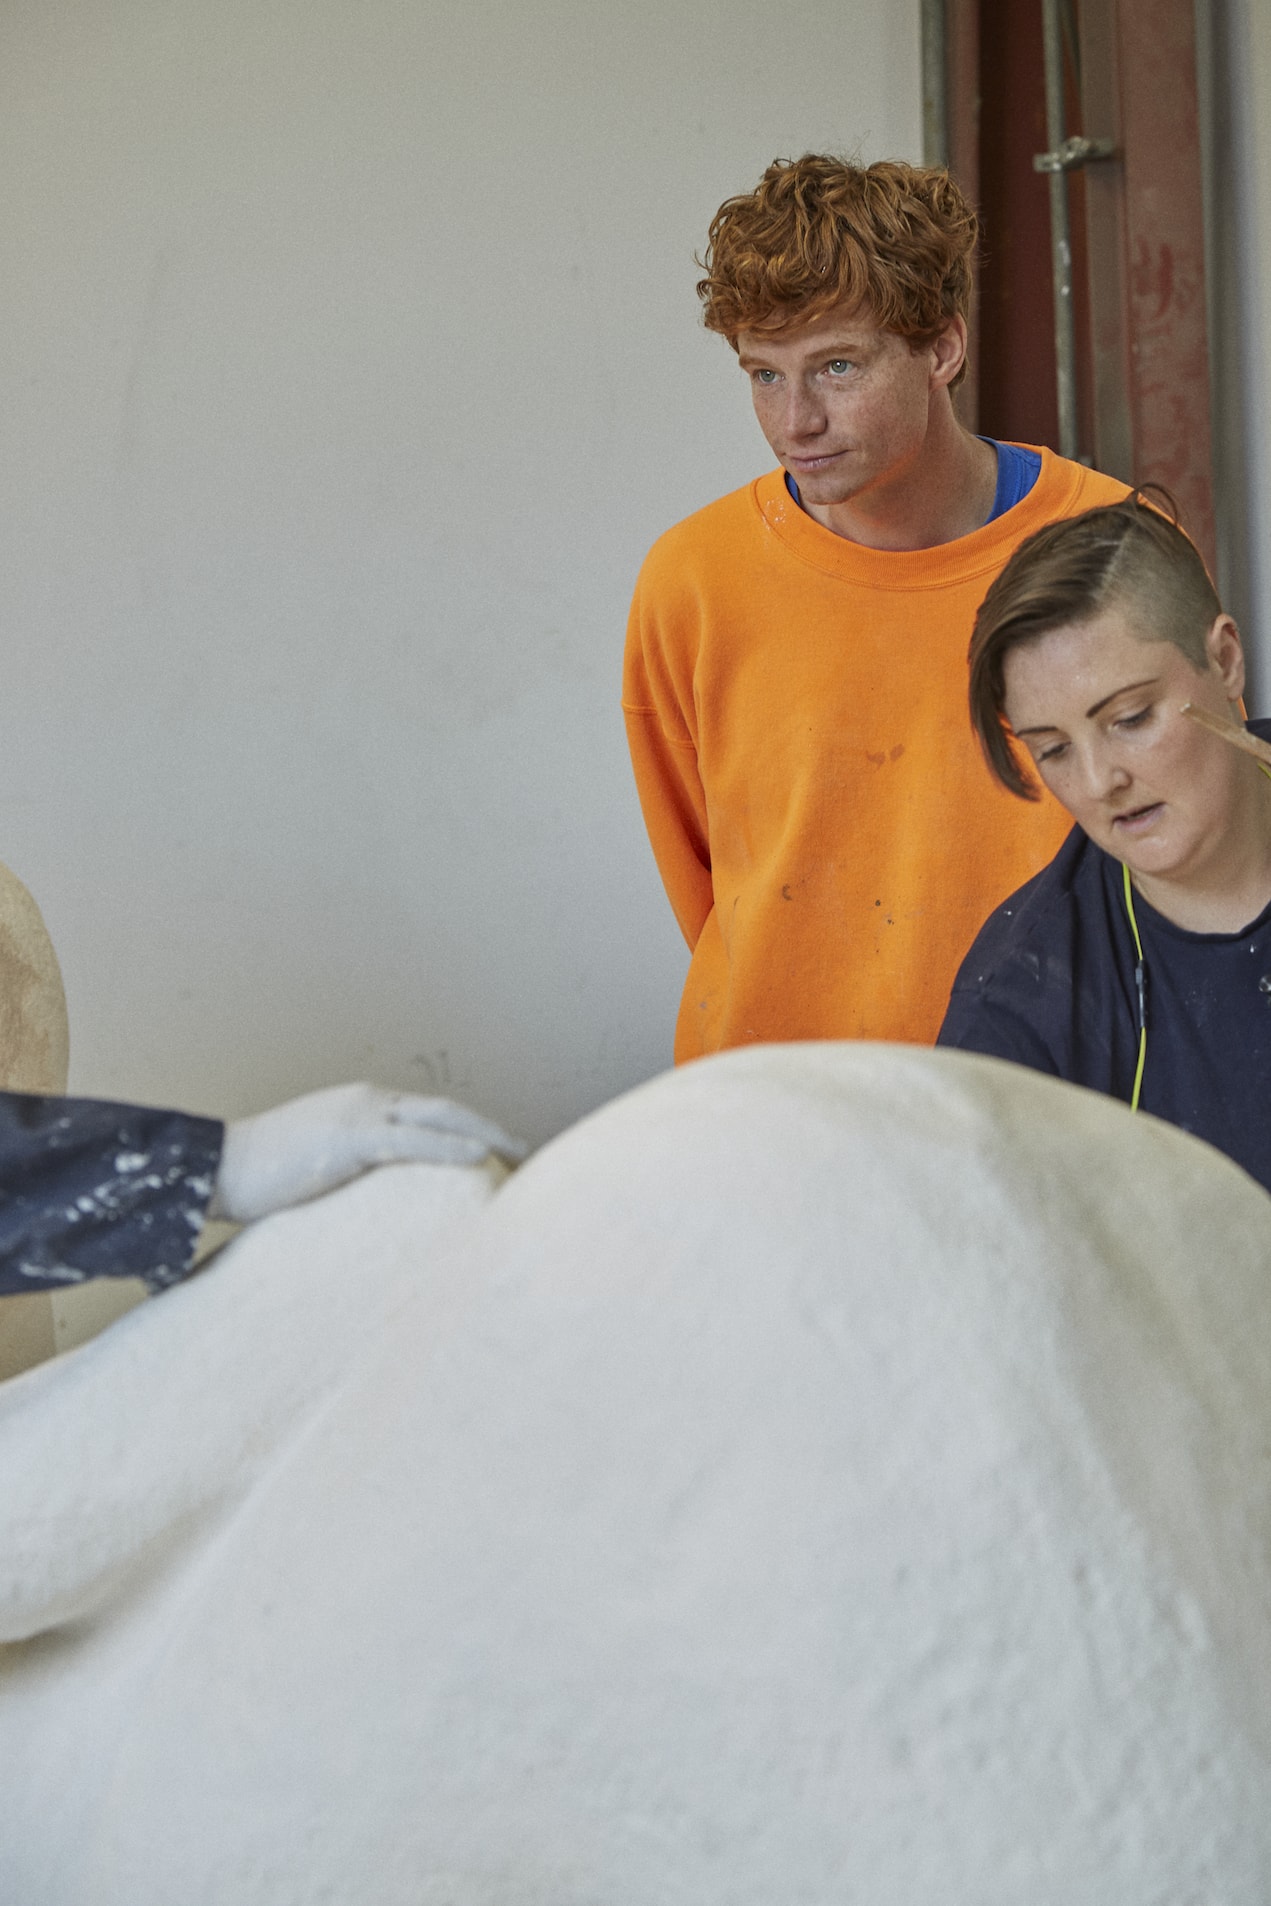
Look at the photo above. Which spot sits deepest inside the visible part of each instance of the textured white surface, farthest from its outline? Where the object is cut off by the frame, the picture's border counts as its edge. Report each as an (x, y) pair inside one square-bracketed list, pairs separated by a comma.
[(827, 1477), (122, 1453)]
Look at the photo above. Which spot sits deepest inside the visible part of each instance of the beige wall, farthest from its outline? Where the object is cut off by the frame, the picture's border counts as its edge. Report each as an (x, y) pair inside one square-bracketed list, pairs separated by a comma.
[(351, 363), (1234, 41)]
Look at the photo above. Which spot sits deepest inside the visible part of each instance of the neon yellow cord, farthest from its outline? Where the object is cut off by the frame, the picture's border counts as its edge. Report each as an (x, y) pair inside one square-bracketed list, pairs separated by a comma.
[(1140, 970), (1138, 947)]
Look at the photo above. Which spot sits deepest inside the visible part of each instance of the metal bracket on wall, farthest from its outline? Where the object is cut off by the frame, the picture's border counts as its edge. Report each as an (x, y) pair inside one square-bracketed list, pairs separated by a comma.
[(1075, 152), (1055, 15)]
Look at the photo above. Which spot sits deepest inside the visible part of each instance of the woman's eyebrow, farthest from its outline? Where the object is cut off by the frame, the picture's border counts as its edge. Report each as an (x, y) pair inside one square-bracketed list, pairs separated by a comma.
[(1127, 688)]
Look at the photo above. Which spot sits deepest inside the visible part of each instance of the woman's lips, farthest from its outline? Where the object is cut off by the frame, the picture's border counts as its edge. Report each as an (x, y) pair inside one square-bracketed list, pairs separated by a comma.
[(1139, 819)]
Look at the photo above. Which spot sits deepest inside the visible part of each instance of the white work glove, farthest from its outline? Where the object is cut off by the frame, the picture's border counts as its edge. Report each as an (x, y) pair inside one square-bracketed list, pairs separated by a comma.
[(312, 1144)]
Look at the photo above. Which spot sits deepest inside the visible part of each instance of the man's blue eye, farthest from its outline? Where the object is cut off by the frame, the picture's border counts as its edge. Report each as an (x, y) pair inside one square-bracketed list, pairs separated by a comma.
[(764, 377), (839, 364)]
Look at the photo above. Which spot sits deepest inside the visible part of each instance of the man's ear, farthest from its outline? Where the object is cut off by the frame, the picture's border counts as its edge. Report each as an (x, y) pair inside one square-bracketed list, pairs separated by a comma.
[(1226, 655), (948, 353)]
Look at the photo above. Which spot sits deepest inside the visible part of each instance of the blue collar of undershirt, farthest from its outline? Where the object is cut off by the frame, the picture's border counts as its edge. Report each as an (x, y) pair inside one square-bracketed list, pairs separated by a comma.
[(1017, 471)]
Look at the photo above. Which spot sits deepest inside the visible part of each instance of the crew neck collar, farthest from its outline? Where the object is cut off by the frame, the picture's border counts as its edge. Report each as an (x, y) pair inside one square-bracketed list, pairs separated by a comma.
[(979, 553), (1161, 922)]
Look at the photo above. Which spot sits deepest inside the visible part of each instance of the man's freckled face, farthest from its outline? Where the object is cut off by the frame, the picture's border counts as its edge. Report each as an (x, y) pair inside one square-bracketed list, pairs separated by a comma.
[(1097, 706), (844, 404)]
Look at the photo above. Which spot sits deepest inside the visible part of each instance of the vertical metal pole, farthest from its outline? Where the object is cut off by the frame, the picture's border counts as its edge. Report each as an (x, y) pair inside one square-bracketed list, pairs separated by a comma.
[(935, 106), (1060, 237)]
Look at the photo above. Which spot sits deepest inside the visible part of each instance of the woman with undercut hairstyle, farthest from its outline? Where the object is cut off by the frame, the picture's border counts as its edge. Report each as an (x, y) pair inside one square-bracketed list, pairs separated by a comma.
[(1139, 961)]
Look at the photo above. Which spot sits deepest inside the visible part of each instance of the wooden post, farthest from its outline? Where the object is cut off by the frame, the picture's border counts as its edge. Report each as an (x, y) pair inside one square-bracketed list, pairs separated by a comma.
[(1147, 252), (1143, 349)]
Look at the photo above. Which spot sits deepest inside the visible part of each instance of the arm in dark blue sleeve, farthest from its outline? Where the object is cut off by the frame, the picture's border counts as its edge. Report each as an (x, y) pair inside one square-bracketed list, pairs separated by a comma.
[(1023, 988), (89, 1188), (1005, 1001), (976, 1022)]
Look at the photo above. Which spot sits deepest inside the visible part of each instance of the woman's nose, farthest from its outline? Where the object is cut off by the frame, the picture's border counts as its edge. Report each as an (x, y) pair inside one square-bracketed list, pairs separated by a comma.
[(1105, 774)]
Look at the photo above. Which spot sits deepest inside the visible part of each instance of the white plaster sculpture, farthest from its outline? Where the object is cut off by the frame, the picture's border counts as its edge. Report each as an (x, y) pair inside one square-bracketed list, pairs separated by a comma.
[(830, 1476)]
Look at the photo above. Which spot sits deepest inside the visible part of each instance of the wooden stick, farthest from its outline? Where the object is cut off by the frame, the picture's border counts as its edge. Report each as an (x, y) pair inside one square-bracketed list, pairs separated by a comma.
[(1230, 731)]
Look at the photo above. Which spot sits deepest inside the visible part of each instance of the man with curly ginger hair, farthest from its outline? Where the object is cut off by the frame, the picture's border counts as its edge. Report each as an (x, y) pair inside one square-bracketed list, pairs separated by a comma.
[(795, 678)]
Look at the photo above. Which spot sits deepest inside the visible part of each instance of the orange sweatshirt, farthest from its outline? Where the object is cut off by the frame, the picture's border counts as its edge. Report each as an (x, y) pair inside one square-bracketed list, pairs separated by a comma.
[(796, 706)]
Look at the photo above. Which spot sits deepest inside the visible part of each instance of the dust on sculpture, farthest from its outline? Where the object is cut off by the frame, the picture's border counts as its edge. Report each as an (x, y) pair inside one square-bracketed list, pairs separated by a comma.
[(830, 1476)]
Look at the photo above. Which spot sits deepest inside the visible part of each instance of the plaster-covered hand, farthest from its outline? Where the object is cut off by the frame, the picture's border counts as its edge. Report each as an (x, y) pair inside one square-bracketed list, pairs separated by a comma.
[(312, 1144)]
